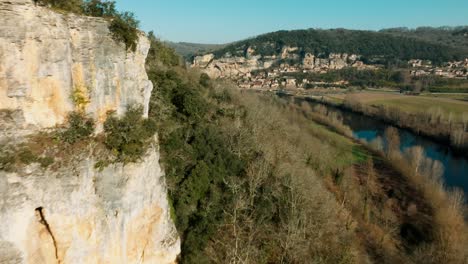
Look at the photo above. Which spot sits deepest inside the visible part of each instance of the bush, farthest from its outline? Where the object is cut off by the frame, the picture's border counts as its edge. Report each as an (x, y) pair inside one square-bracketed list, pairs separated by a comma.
[(74, 6), (159, 52), (204, 80), (128, 136), (46, 161), (124, 26), (98, 8), (26, 156), (79, 127), (124, 29), (7, 161)]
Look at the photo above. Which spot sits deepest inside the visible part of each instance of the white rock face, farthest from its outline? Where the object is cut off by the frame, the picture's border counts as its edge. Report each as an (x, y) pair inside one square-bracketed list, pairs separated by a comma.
[(75, 214), (240, 67), (80, 215), (46, 57)]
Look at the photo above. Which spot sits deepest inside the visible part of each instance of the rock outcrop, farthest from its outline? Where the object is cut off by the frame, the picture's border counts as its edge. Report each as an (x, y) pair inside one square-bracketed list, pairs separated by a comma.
[(77, 214), (288, 60), (51, 64), (48, 59)]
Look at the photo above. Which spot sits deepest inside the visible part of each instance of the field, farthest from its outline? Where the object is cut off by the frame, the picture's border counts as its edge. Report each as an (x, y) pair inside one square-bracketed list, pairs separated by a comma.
[(411, 104), (455, 96)]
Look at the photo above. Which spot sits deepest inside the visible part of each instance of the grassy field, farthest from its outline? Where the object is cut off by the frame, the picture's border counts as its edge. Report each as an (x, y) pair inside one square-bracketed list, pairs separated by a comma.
[(454, 96), (348, 152), (438, 102)]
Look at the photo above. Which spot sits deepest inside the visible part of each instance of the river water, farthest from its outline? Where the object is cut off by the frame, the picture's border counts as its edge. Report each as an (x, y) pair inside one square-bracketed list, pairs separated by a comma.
[(455, 167)]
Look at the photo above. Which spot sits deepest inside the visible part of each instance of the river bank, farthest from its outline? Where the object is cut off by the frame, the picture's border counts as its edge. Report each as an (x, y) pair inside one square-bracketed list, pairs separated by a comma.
[(434, 128), (396, 187), (369, 129)]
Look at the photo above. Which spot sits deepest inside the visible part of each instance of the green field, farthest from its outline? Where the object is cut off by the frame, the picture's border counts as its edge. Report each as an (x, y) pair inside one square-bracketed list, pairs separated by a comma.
[(447, 104)]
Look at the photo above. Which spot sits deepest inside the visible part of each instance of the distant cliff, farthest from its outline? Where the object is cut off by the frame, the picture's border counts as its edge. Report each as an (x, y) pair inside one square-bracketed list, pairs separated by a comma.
[(52, 64), (289, 60)]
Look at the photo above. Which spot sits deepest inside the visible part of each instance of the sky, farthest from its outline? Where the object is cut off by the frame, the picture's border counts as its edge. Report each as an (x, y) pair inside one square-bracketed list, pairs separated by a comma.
[(223, 21)]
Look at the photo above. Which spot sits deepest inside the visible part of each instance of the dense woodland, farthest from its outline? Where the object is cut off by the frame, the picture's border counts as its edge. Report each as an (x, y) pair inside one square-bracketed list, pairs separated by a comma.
[(375, 47), (449, 36)]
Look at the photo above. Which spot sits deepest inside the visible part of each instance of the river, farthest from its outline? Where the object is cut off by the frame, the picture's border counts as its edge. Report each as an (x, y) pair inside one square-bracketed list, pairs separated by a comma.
[(455, 167)]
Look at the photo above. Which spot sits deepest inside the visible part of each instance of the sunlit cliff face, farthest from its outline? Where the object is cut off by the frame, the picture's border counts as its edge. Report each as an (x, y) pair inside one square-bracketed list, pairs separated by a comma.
[(51, 64), (46, 58)]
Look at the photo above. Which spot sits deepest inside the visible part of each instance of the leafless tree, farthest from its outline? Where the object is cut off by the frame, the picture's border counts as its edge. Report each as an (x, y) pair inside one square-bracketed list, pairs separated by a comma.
[(393, 141)]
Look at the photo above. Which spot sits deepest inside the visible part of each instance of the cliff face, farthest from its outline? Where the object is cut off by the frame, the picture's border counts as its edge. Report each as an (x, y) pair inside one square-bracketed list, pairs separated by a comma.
[(288, 60), (79, 215), (53, 63)]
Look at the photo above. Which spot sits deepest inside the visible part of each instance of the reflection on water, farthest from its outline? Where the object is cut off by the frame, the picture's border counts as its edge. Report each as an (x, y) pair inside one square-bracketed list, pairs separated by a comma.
[(455, 173), (455, 167)]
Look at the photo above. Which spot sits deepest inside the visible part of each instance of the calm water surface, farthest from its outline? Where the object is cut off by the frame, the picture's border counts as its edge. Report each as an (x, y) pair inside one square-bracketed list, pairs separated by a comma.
[(455, 173)]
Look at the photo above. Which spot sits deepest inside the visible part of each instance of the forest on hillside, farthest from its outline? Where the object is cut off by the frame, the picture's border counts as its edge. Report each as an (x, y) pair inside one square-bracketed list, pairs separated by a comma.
[(450, 36), (370, 44), (253, 179)]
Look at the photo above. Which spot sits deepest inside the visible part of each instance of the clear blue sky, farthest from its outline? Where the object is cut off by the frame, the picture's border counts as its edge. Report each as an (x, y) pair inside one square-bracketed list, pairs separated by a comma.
[(221, 21)]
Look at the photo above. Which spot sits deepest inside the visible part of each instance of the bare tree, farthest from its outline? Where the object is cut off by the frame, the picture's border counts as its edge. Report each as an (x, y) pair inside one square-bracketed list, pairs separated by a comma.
[(416, 155), (393, 141), (465, 122)]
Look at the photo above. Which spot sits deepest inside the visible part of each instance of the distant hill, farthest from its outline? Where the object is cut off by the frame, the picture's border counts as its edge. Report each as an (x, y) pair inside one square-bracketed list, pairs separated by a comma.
[(188, 50), (390, 45), (450, 36)]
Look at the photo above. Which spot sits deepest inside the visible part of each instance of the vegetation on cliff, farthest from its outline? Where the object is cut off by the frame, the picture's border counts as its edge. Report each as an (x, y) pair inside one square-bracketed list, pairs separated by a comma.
[(123, 25)]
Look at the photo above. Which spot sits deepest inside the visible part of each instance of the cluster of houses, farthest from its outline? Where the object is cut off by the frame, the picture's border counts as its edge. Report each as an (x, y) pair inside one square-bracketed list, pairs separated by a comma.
[(276, 80), (455, 70), (273, 72)]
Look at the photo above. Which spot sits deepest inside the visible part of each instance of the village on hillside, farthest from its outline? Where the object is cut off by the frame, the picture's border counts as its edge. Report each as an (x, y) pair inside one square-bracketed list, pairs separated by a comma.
[(289, 71)]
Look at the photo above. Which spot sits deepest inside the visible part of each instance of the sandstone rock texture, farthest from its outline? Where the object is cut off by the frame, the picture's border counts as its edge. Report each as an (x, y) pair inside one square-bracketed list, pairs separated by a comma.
[(80, 215), (46, 58)]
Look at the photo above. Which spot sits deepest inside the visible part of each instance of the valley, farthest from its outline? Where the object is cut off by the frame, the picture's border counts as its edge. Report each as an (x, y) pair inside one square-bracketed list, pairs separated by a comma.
[(315, 146)]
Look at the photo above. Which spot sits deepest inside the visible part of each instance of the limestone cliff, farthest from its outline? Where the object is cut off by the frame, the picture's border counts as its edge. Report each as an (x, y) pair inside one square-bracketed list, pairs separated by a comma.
[(74, 213), (79, 215), (289, 59), (48, 58)]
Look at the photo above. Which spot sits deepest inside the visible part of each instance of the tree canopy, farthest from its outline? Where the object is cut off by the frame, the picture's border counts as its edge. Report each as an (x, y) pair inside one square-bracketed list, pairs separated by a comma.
[(370, 44)]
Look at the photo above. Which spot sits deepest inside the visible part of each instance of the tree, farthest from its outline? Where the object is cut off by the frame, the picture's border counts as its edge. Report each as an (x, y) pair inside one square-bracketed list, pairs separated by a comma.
[(74, 6), (100, 8), (393, 141), (465, 122), (416, 156), (124, 29)]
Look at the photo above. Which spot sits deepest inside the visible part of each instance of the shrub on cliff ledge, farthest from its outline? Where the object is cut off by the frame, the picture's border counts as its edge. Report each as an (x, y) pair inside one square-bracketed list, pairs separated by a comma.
[(74, 6), (128, 136), (79, 127), (124, 29), (123, 26)]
